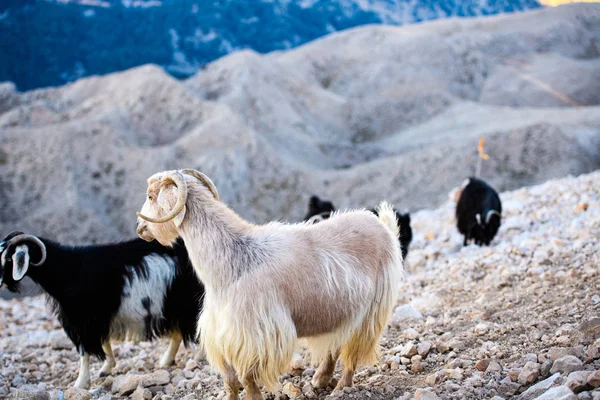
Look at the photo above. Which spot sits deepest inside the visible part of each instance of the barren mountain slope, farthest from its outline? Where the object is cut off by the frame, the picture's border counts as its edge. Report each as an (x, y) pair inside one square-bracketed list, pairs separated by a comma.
[(471, 323), (370, 113)]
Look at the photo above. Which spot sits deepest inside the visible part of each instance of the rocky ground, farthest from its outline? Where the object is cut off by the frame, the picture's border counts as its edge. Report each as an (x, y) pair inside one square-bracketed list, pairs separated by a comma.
[(519, 319)]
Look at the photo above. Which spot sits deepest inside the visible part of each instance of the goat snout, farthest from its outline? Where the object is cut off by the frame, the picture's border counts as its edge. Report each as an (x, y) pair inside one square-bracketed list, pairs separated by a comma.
[(142, 230)]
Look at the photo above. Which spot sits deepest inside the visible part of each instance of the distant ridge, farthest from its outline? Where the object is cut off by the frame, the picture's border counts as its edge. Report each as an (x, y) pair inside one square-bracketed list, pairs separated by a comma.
[(50, 43)]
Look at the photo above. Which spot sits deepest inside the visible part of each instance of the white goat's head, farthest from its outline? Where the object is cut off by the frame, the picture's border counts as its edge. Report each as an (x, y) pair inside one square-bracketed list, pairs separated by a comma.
[(164, 208)]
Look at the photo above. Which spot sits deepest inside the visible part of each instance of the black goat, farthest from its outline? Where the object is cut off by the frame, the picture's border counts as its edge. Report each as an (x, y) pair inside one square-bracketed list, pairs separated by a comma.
[(478, 212), (319, 210), (135, 289)]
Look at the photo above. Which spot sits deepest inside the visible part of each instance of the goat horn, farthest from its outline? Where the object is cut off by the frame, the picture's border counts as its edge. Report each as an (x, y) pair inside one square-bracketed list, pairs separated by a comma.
[(25, 237), (177, 179), (204, 179), (489, 215)]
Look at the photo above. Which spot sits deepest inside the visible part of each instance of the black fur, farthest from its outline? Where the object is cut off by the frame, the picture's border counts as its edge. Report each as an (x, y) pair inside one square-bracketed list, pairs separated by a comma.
[(405, 230), (317, 206), (85, 287), (480, 198)]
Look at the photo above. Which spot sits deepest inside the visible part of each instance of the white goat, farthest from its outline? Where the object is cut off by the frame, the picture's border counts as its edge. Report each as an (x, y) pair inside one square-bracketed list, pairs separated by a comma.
[(334, 283)]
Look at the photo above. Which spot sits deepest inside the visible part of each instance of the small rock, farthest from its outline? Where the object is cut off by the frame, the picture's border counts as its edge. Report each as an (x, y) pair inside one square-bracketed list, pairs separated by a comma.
[(141, 394), (558, 393), (423, 394), (116, 382), (540, 387), (406, 313), (442, 347), (291, 390), (481, 329), (423, 349), (170, 389), (409, 350), (529, 373), (557, 352), (434, 379), (410, 333), (191, 365), (530, 357), (577, 381), (416, 366), (157, 378), (594, 379), (455, 373), (493, 366), (566, 364), (482, 364), (128, 384), (585, 396), (297, 362), (508, 388), (32, 392), (456, 345), (546, 367)]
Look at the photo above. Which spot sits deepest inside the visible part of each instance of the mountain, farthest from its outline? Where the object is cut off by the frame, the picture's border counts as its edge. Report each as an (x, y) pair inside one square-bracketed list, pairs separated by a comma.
[(50, 43), (371, 113)]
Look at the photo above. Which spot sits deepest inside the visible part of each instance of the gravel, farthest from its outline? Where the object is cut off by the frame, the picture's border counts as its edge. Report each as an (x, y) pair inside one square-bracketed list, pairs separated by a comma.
[(492, 321)]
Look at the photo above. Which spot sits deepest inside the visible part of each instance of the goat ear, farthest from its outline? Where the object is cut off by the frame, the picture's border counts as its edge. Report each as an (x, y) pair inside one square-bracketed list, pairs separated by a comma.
[(20, 259), (167, 199)]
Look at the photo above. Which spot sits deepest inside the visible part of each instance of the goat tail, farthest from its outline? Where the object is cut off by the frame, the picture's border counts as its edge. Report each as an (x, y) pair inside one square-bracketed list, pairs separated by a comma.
[(387, 215)]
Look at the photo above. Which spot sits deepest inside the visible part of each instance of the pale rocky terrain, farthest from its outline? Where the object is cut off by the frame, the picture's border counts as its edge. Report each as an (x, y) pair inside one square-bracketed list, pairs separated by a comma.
[(357, 116), (517, 320)]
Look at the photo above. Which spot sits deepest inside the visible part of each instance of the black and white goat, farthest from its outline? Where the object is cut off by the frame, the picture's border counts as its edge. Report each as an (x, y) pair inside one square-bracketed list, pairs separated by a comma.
[(131, 290), (319, 210), (478, 212)]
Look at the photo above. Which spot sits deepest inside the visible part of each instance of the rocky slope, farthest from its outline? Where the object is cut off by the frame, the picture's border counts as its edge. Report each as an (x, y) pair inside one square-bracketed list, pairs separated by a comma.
[(517, 320), (369, 113)]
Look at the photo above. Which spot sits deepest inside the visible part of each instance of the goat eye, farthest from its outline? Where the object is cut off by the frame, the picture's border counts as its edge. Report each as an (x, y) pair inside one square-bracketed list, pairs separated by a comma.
[(150, 197)]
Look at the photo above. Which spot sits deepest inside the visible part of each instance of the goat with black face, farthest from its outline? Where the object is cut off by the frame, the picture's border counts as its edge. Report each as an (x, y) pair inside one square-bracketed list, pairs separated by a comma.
[(135, 289), (478, 212), (319, 210)]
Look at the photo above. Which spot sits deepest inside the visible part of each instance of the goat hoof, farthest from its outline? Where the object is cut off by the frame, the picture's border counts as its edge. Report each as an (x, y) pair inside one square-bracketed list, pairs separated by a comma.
[(82, 385), (166, 364), (103, 374)]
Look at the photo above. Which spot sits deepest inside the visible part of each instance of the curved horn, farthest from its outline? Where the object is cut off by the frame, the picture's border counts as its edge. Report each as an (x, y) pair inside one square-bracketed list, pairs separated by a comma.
[(179, 182), (12, 235), (489, 215), (204, 179), (25, 237)]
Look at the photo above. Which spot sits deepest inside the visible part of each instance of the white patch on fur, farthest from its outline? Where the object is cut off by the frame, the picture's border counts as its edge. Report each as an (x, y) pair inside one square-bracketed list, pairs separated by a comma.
[(478, 218), (129, 321), (83, 380)]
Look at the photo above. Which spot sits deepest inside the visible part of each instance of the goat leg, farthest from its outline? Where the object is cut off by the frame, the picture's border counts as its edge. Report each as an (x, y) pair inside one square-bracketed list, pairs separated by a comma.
[(83, 380), (346, 379), (251, 388), (169, 357), (325, 371), (232, 383), (110, 362)]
